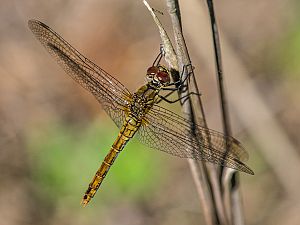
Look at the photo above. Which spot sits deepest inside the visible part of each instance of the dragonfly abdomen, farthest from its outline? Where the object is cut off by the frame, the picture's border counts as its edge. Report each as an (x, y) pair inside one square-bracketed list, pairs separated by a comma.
[(127, 131)]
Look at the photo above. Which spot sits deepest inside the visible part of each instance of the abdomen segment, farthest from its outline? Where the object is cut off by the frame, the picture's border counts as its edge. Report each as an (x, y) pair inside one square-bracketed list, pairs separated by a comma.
[(127, 131)]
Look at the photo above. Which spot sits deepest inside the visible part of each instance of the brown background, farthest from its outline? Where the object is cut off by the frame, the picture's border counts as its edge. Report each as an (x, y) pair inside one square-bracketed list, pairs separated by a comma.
[(51, 130)]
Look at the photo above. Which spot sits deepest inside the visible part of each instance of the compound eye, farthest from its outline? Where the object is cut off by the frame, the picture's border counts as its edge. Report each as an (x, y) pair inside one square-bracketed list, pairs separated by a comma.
[(163, 77), (152, 70)]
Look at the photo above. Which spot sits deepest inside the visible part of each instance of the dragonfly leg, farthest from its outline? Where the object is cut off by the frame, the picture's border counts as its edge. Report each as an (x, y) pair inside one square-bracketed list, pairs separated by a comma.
[(181, 81), (165, 96), (159, 57), (179, 85), (182, 98)]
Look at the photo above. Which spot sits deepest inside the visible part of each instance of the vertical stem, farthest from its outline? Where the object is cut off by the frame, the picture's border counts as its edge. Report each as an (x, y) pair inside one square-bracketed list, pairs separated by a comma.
[(219, 68), (214, 209), (198, 171), (211, 177), (235, 213)]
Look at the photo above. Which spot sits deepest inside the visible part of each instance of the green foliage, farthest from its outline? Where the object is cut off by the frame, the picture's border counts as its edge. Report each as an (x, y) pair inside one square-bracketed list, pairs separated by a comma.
[(289, 53), (64, 159), (286, 55)]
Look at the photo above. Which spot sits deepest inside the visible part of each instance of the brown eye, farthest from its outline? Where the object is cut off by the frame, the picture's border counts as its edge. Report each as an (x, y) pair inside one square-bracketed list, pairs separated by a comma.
[(152, 70), (163, 77)]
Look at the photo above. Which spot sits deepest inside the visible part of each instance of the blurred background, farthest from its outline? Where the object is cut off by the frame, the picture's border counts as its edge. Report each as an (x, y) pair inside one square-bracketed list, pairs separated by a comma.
[(54, 134)]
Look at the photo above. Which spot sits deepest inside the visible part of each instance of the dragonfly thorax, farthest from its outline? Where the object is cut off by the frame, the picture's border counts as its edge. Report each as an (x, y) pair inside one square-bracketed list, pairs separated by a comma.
[(143, 100), (158, 76)]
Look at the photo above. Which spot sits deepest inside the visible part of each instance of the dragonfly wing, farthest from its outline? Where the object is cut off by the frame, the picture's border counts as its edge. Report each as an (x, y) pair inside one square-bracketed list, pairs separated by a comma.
[(166, 131), (113, 96)]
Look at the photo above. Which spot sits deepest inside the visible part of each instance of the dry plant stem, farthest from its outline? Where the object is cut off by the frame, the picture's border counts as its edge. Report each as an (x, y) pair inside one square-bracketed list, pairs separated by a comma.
[(197, 170), (184, 59), (237, 214), (199, 177), (259, 120), (219, 68), (202, 181), (170, 56), (235, 211)]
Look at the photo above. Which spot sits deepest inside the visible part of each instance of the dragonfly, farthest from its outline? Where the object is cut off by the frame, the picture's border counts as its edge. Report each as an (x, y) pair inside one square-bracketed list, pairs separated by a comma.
[(138, 114)]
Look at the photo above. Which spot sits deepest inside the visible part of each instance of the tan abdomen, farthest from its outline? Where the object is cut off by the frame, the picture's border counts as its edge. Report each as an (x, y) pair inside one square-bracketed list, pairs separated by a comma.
[(128, 129)]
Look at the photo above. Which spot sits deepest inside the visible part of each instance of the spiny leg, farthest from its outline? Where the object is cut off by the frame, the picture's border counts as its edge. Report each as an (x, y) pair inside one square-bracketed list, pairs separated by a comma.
[(179, 85), (159, 57), (183, 98)]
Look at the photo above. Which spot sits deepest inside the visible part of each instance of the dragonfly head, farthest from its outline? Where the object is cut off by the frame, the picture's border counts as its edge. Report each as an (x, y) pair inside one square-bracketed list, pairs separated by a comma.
[(158, 76)]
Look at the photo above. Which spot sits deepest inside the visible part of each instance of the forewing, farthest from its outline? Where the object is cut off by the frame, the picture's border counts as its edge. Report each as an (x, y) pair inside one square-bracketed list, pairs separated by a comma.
[(113, 96), (166, 131)]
